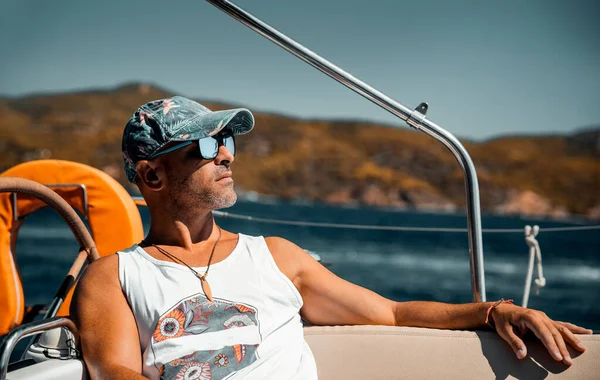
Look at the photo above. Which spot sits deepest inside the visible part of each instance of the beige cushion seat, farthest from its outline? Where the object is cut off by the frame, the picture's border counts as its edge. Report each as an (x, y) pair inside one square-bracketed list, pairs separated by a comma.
[(383, 352)]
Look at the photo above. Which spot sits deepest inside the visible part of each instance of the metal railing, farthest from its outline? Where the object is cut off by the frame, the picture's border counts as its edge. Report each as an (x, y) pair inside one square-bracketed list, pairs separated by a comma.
[(414, 118), (29, 329)]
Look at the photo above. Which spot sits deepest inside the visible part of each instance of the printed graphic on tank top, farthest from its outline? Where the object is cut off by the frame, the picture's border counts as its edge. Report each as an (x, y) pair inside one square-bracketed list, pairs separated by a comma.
[(198, 315)]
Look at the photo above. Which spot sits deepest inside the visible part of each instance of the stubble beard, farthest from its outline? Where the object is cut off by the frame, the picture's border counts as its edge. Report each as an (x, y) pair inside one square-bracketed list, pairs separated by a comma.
[(214, 199), (188, 196)]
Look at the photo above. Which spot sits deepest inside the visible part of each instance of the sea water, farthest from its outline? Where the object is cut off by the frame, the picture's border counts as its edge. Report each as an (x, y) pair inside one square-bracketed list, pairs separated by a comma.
[(398, 265)]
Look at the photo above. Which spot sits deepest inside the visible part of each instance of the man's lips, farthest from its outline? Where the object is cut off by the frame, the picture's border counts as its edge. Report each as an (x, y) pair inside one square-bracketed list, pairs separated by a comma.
[(226, 175)]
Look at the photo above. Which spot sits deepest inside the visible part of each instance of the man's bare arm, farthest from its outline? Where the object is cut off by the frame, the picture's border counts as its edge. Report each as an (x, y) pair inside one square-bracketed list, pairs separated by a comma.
[(330, 300), (108, 332)]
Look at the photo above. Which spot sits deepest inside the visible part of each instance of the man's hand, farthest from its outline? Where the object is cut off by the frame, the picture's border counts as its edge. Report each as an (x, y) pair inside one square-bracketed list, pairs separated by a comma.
[(512, 322)]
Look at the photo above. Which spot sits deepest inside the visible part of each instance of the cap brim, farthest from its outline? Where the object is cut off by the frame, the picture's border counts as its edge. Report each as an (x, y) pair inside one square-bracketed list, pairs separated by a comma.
[(239, 121)]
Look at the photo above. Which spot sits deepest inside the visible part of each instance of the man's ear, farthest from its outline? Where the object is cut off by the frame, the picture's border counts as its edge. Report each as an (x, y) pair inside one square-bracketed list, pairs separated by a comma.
[(150, 174)]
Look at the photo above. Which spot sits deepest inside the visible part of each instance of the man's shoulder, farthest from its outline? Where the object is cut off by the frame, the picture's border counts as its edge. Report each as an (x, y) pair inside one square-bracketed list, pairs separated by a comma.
[(105, 270), (278, 244), (290, 258), (100, 281)]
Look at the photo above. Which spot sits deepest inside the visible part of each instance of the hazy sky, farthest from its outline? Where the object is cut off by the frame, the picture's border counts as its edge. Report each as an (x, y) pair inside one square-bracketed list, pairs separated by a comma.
[(485, 67)]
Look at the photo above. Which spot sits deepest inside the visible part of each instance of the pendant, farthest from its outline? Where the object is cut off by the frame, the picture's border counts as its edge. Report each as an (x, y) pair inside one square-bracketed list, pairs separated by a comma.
[(205, 287)]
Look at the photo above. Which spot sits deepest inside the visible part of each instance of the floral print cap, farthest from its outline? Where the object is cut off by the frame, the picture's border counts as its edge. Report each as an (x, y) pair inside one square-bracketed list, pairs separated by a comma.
[(159, 122)]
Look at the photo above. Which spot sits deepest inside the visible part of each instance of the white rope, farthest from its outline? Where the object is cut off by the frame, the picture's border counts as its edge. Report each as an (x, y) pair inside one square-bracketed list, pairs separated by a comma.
[(535, 255), (392, 228)]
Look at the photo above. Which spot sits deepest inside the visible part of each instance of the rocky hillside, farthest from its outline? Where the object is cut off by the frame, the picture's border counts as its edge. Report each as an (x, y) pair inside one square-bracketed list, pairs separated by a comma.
[(330, 161)]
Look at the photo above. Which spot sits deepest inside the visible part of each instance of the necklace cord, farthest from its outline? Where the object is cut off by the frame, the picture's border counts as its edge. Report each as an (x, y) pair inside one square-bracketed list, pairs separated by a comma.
[(172, 257)]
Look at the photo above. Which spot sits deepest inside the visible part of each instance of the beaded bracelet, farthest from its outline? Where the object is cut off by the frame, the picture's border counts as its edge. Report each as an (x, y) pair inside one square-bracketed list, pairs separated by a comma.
[(488, 316)]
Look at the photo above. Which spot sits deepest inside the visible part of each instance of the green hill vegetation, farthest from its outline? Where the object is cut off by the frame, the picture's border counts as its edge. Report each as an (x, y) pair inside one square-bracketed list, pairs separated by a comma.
[(329, 161)]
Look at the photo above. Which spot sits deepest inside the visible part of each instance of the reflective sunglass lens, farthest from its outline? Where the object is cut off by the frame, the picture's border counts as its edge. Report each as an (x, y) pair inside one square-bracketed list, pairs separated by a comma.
[(209, 147), (229, 143)]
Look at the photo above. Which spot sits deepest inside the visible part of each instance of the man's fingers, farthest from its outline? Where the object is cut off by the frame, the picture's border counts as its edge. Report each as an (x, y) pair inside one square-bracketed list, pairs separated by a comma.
[(541, 331), (569, 336), (576, 329), (560, 342), (507, 333)]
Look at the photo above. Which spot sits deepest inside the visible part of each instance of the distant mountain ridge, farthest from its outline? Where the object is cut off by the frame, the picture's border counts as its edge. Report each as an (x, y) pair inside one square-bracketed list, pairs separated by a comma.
[(344, 162)]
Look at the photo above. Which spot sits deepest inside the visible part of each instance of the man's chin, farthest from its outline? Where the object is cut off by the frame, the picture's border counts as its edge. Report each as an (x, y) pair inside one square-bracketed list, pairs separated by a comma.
[(228, 202)]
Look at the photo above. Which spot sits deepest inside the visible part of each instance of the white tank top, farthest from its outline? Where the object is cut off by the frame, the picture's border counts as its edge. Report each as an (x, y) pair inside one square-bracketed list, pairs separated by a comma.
[(250, 330)]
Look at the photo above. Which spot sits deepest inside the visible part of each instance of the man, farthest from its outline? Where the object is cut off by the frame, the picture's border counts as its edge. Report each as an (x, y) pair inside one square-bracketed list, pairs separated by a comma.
[(193, 301)]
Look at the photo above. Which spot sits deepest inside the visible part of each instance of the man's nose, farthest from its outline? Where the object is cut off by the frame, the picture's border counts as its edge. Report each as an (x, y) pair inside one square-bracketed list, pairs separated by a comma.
[(224, 156)]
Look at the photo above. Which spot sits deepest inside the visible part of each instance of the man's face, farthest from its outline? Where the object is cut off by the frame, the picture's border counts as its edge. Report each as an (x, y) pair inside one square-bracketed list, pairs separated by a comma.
[(194, 182)]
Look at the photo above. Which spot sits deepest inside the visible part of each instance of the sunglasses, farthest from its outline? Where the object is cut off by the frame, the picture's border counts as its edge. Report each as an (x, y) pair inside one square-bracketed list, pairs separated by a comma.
[(208, 146)]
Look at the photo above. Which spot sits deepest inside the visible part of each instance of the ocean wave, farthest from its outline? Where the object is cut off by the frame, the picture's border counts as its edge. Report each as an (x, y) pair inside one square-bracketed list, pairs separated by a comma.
[(573, 273), (453, 266)]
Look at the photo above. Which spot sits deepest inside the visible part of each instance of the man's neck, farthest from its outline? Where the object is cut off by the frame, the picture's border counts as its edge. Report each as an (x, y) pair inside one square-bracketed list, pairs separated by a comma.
[(183, 230)]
